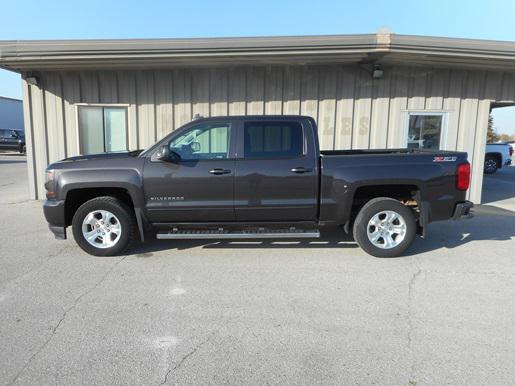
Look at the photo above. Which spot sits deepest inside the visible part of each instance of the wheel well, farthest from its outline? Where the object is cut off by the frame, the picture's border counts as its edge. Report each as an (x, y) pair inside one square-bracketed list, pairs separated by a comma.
[(405, 193), (495, 155), (75, 198)]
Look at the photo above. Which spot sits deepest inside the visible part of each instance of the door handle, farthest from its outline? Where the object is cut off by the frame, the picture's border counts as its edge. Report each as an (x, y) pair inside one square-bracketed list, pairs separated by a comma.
[(301, 170), (219, 171)]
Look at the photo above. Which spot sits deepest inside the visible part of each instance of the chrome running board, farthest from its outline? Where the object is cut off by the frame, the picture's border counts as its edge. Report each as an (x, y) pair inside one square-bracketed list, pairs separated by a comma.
[(224, 234)]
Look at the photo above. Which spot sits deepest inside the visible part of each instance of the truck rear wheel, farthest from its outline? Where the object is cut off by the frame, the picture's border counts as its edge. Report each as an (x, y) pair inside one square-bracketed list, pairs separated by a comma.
[(384, 227), (104, 226)]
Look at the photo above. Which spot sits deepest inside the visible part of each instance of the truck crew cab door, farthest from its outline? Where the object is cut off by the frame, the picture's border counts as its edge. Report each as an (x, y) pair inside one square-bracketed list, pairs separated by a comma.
[(276, 172), (197, 183)]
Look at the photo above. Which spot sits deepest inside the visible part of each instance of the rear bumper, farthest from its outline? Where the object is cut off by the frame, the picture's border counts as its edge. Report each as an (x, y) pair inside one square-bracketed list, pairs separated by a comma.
[(462, 209), (54, 214)]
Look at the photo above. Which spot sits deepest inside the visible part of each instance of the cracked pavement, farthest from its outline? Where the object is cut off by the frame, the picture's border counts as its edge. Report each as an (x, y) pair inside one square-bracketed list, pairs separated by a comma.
[(190, 312)]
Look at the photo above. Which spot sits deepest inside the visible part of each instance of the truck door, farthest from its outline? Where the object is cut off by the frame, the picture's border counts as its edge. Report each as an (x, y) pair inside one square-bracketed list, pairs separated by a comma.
[(276, 173), (197, 184)]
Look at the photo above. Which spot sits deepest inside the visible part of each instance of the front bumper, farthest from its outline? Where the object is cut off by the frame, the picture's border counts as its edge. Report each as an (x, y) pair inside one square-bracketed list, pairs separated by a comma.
[(55, 216), (462, 210)]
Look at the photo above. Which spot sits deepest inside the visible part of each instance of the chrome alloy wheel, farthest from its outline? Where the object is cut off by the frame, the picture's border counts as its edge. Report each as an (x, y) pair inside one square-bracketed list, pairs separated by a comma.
[(101, 229), (386, 229)]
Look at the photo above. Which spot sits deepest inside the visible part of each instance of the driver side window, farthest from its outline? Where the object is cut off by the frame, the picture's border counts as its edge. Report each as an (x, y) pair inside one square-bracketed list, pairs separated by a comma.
[(205, 141)]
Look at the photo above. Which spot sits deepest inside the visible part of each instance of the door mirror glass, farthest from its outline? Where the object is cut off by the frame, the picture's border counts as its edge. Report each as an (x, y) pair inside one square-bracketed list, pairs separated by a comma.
[(163, 154), (195, 147)]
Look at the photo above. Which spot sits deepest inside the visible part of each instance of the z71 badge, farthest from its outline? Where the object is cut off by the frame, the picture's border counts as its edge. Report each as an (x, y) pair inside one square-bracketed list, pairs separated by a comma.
[(445, 159)]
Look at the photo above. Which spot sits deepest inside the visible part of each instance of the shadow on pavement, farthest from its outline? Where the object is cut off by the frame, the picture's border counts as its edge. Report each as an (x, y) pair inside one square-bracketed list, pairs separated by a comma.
[(329, 239), (489, 223), (499, 186)]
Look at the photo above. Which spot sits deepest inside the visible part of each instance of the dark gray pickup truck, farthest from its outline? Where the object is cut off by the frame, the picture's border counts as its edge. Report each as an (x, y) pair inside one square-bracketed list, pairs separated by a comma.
[(253, 177)]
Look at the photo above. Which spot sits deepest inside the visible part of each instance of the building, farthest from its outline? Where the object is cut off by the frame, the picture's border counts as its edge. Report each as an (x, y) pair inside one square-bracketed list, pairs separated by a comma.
[(365, 91), (11, 113)]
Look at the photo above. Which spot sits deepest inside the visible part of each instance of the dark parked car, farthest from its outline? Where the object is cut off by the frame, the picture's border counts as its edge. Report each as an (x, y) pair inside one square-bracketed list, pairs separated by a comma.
[(11, 139), (254, 177)]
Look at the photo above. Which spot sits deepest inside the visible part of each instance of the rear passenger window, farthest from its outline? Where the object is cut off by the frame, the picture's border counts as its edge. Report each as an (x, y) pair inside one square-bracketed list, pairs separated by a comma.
[(273, 139)]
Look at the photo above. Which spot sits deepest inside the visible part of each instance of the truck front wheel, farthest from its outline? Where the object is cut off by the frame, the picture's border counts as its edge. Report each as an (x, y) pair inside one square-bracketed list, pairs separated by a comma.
[(104, 226), (491, 164), (384, 227)]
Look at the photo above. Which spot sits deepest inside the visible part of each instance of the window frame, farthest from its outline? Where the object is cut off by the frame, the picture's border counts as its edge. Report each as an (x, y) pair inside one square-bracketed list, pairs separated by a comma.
[(443, 130), (102, 105), (264, 120)]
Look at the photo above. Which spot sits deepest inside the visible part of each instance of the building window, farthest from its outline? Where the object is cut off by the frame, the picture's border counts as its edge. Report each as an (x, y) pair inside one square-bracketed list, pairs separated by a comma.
[(426, 130), (102, 129)]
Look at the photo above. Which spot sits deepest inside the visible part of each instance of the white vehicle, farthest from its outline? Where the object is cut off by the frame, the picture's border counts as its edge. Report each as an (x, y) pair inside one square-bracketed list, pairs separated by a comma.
[(497, 155)]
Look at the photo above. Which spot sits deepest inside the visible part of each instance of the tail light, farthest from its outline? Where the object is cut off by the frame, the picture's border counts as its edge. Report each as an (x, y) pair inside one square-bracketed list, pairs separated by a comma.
[(511, 151), (463, 180)]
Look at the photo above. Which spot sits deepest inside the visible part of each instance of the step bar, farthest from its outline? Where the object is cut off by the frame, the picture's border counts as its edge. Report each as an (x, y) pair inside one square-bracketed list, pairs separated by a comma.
[(219, 235)]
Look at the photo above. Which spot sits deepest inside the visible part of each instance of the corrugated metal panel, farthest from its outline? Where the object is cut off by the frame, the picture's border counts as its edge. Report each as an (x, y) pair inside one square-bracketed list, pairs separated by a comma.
[(352, 109), (27, 121)]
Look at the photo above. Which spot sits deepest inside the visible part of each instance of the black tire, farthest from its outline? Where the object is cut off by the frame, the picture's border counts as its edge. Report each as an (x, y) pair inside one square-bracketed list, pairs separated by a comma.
[(369, 210), (23, 149), (124, 214), (491, 164)]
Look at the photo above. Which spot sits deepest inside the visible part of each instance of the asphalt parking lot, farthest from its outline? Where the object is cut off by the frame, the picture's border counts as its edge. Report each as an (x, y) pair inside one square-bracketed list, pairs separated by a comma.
[(318, 312)]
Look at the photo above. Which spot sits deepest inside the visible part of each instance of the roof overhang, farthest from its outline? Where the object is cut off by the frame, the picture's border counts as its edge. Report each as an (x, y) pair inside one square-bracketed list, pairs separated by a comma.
[(386, 48)]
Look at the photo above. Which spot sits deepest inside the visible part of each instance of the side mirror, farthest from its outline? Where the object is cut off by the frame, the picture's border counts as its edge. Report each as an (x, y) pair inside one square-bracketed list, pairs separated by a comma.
[(195, 147), (163, 154)]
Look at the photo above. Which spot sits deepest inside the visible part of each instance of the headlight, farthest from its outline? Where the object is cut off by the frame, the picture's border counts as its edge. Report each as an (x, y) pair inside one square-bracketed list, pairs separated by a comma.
[(50, 184)]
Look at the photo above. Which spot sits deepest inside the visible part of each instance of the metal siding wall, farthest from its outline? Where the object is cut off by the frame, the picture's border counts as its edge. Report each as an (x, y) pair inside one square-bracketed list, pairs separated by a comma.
[(352, 109), (398, 104), (327, 106), (218, 92), (53, 110), (146, 108), (127, 95), (380, 112), (237, 91), (164, 103), (71, 95), (39, 138), (346, 86), (29, 141), (255, 87), (291, 90), (182, 97), (273, 90)]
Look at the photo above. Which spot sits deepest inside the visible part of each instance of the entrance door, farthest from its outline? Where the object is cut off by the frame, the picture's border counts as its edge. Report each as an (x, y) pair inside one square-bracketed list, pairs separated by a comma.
[(197, 185)]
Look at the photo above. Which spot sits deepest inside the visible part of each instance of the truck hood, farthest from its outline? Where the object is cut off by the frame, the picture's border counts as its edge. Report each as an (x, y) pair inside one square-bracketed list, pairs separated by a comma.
[(121, 154), (95, 158)]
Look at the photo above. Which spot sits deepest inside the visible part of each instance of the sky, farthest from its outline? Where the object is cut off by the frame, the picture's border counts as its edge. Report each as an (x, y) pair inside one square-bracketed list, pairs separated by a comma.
[(36, 19)]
